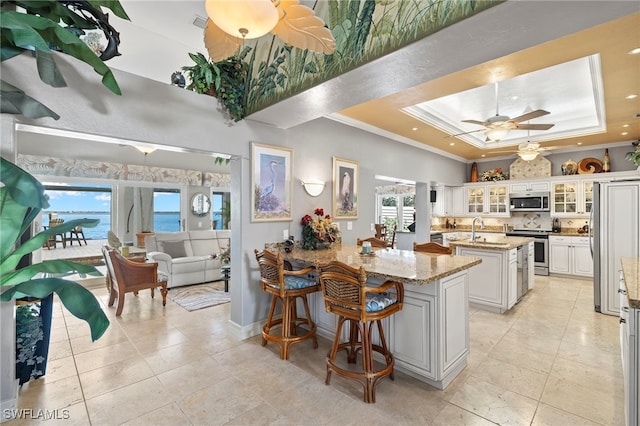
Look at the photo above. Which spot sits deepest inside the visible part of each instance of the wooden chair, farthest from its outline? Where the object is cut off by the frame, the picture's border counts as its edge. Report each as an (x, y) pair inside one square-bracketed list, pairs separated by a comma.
[(128, 276), (346, 294), (392, 243), (56, 238), (77, 232), (381, 231), (375, 242), (432, 247), (286, 286)]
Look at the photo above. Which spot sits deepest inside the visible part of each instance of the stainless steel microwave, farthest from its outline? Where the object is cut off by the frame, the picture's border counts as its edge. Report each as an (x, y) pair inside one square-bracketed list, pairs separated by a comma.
[(529, 202)]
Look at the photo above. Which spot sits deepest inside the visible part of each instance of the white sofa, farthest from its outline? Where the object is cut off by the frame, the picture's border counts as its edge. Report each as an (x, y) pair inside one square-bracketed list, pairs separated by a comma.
[(186, 257)]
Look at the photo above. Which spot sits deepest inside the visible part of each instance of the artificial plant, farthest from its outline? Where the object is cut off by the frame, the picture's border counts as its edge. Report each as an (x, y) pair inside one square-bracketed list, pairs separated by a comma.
[(634, 156), (22, 198), (225, 80), (48, 25)]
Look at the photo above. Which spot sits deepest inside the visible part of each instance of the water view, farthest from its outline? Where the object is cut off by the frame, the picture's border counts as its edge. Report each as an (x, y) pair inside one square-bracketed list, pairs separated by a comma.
[(163, 222)]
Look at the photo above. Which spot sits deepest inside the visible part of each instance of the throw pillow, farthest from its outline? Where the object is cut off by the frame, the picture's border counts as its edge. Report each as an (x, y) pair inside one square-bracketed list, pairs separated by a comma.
[(174, 248)]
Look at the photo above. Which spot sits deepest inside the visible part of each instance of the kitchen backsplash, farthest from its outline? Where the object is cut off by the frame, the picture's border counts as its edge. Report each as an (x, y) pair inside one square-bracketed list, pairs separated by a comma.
[(517, 220)]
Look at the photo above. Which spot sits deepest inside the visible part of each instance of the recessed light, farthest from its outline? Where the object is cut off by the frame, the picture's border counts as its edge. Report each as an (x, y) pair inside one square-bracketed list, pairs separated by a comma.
[(514, 97), (634, 51), (579, 143), (452, 144), (625, 125), (414, 128), (624, 133), (483, 155), (633, 96)]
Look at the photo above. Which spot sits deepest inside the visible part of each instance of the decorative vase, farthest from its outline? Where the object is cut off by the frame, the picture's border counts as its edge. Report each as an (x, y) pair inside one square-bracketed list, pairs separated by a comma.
[(606, 164), (474, 172), (569, 167)]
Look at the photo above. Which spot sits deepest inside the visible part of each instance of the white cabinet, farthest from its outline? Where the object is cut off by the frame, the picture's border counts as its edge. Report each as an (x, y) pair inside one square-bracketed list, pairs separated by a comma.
[(630, 351), (429, 337), (452, 202), (492, 282), (572, 198), (487, 200), (570, 256), (542, 186)]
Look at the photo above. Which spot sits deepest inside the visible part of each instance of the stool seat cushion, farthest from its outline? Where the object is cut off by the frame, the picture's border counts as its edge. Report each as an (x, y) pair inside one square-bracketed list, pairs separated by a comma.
[(293, 282), (379, 301)]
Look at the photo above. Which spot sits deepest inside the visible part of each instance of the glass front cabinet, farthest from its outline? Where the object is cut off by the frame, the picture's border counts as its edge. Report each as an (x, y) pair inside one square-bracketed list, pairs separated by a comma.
[(491, 200), (572, 198)]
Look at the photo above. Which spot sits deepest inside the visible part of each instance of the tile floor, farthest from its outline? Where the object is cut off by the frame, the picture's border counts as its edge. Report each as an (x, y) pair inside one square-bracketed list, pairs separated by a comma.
[(549, 361)]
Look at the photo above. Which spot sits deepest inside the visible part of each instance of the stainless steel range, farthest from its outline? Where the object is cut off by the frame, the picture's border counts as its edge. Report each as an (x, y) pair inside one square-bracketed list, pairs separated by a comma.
[(541, 247)]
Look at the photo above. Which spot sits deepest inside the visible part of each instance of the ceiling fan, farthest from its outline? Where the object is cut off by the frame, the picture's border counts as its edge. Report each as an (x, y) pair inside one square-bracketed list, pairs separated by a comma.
[(498, 126)]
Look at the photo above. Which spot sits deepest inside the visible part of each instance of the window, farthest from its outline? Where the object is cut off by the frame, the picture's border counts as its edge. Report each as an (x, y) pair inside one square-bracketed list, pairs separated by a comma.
[(71, 202), (396, 209), (166, 210), (220, 204)]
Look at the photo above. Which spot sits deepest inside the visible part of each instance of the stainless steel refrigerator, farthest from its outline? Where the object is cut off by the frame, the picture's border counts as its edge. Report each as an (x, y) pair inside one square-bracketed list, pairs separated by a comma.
[(615, 224)]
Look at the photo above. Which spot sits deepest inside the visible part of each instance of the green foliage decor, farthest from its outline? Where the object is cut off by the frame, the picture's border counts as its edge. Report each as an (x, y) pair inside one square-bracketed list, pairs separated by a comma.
[(224, 79), (634, 156), (52, 25), (22, 198)]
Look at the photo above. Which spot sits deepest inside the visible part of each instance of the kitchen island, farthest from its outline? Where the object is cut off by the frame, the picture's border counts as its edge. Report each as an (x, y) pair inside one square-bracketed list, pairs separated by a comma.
[(429, 337), (505, 274)]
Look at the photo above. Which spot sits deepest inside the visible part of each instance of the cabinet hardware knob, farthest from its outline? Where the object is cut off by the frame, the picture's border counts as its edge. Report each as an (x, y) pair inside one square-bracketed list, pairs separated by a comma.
[(622, 291)]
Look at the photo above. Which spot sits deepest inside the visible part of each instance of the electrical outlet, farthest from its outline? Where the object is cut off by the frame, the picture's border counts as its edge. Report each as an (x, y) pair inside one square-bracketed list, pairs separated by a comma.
[(199, 224), (285, 234), (349, 226), (373, 227)]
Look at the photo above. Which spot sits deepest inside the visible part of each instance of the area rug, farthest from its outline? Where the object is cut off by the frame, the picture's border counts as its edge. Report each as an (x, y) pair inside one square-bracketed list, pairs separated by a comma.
[(199, 296)]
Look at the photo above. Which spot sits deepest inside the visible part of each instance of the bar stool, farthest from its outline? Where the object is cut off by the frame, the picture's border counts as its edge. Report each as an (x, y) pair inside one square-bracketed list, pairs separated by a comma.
[(432, 247), (286, 287), (346, 295)]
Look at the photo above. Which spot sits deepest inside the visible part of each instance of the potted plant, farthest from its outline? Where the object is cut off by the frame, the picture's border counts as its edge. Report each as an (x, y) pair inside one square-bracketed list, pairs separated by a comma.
[(225, 80), (22, 198), (634, 156)]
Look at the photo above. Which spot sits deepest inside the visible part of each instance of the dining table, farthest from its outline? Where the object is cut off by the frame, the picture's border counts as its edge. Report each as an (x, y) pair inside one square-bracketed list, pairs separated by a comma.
[(429, 337)]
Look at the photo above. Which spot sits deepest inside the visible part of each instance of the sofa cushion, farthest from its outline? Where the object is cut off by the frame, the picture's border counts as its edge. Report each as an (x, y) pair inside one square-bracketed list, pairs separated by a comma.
[(174, 248), (204, 243)]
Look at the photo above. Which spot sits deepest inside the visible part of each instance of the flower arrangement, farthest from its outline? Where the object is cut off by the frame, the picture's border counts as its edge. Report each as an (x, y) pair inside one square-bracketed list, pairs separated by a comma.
[(493, 175), (318, 232)]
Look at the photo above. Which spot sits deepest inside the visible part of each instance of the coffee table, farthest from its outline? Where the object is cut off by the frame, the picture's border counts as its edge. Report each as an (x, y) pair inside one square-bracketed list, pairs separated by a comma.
[(226, 275)]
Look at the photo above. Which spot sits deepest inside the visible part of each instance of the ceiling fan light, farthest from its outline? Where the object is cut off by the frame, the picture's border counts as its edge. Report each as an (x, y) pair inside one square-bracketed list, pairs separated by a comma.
[(497, 134), (528, 155), (145, 149), (243, 18)]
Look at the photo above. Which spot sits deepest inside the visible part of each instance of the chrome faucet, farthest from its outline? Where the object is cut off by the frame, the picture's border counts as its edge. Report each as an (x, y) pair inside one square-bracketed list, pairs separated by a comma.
[(473, 227)]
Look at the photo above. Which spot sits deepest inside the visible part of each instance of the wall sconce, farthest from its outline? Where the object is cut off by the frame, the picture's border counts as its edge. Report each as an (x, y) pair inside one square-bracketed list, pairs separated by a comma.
[(313, 187)]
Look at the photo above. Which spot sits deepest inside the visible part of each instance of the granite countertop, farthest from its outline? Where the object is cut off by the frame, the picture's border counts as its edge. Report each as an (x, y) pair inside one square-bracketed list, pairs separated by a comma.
[(406, 266), (631, 273), (493, 243)]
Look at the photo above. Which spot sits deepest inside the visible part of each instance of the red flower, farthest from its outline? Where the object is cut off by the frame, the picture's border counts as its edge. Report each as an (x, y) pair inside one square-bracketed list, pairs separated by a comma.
[(328, 217), (306, 219), (319, 212)]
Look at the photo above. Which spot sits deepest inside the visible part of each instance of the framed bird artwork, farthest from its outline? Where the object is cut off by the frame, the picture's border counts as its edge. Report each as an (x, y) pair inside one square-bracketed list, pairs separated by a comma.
[(345, 189), (271, 168)]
